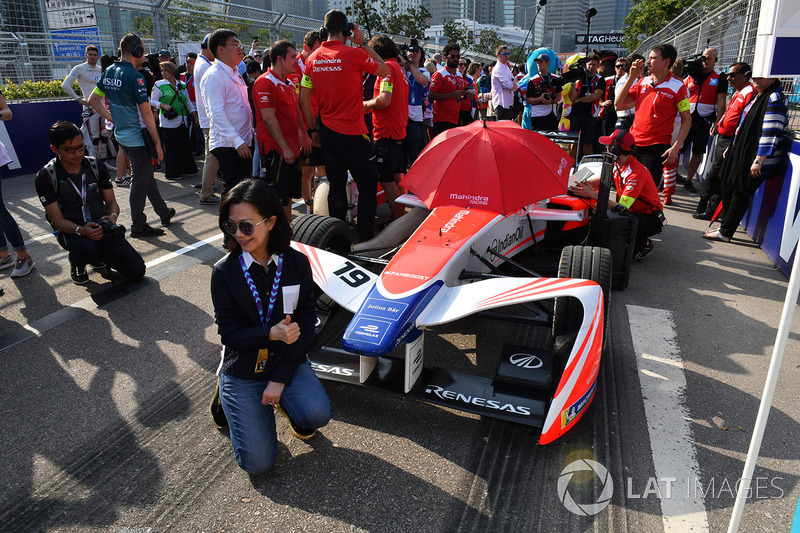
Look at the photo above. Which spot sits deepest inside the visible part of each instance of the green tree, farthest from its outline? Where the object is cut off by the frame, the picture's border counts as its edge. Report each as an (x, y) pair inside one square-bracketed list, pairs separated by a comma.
[(411, 24), (647, 17), (458, 33), (488, 42), (376, 23)]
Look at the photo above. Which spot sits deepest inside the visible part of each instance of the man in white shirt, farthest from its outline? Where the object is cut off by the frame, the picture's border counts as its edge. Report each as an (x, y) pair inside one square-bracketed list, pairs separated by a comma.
[(503, 85), (211, 165), (224, 95), (86, 74)]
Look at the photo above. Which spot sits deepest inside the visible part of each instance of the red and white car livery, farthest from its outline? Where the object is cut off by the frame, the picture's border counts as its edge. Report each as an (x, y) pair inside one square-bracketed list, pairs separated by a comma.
[(426, 283)]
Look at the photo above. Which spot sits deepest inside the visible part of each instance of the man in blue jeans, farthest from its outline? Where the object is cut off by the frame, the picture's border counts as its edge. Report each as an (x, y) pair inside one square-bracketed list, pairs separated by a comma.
[(135, 129)]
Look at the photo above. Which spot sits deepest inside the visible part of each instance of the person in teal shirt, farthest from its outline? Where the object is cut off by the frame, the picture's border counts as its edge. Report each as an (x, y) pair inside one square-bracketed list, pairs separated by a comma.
[(125, 90)]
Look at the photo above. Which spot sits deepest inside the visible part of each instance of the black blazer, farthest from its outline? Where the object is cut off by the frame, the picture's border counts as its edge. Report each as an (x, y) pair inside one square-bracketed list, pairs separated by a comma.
[(239, 324)]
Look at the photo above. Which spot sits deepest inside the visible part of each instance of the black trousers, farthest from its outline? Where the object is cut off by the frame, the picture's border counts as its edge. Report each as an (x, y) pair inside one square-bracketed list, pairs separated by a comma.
[(647, 226), (115, 252), (735, 203), (178, 158), (713, 185), (354, 153), (650, 157), (545, 123), (232, 167), (439, 127)]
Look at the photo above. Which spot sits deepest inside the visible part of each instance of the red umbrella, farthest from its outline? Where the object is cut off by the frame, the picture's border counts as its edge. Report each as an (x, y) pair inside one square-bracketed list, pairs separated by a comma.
[(497, 166)]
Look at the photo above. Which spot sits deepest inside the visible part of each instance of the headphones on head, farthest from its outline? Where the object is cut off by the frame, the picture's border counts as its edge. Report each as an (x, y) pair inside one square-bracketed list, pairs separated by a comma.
[(347, 30), (138, 48)]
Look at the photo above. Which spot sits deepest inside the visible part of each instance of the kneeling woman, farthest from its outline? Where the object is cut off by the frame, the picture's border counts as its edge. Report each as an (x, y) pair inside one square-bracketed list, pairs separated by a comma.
[(263, 299)]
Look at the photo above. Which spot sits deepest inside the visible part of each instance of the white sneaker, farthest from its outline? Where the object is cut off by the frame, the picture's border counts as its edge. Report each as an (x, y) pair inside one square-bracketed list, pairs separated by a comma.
[(22, 268)]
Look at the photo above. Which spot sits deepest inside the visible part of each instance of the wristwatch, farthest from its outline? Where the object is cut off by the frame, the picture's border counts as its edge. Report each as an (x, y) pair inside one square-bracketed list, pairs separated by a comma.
[(78, 231)]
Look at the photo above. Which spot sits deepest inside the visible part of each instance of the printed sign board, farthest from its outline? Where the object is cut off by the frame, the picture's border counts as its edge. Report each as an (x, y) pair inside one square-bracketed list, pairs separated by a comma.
[(70, 45), (599, 38)]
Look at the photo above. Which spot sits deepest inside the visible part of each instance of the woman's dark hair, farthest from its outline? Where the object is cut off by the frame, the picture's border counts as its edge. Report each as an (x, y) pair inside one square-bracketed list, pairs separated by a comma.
[(106, 61), (384, 46), (63, 131), (264, 199)]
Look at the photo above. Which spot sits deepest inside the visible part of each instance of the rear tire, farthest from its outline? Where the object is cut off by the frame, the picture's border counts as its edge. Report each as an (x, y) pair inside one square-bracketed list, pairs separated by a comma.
[(584, 262), (321, 198)]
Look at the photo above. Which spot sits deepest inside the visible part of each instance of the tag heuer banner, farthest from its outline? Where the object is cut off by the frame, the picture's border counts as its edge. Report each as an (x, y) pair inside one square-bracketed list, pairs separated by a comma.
[(599, 38)]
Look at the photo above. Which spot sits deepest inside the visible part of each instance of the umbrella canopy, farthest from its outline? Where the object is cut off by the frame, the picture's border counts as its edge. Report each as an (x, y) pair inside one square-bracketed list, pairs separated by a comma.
[(497, 166)]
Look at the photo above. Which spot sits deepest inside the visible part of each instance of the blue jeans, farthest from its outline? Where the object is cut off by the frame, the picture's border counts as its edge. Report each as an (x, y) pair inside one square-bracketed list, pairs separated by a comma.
[(8, 226), (252, 425)]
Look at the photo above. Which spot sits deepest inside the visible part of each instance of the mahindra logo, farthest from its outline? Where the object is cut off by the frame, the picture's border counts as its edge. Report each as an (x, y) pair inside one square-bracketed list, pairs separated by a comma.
[(525, 360)]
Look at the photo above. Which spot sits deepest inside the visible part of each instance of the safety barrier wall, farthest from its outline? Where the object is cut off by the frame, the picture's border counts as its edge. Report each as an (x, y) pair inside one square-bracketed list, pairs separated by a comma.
[(27, 132), (773, 220)]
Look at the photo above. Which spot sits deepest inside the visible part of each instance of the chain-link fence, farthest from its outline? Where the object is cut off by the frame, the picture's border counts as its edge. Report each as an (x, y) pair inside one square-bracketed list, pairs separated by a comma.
[(43, 39), (731, 29)]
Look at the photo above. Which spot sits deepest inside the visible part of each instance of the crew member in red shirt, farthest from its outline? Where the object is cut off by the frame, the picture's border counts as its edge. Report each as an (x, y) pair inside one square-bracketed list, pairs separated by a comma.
[(658, 98), (739, 78), (333, 74), (280, 129), (636, 191), (389, 109), (444, 92)]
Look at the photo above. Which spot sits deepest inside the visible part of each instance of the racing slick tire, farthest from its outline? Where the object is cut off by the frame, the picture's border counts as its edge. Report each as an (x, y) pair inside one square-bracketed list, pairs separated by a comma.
[(321, 199), (326, 233), (584, 262)]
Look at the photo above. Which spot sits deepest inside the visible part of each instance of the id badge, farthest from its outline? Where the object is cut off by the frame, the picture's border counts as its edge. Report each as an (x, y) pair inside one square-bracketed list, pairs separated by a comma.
[(261, 362), (87, 213)]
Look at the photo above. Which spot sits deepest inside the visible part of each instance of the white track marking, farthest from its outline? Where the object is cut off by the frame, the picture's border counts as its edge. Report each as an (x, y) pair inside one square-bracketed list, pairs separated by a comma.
[(663, 384), (185, 249)]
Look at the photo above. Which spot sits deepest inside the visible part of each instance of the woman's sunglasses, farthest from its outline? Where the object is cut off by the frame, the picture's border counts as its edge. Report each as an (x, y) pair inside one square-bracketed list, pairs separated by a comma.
[(245, 227)]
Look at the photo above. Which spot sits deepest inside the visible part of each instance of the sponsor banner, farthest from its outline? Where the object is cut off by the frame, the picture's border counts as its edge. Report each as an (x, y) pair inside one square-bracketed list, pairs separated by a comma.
[(599, 38)]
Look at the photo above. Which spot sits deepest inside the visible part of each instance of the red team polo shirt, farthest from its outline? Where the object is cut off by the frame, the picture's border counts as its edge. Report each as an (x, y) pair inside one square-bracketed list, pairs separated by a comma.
[(633, 181), (390, 122), (333, 71), (445, 110), (730, 120), (656, 108), (270, 92)]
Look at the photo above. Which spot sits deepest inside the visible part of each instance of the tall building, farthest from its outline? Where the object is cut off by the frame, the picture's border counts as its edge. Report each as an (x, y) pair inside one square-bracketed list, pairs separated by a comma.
[(610, 15), (563, 20)]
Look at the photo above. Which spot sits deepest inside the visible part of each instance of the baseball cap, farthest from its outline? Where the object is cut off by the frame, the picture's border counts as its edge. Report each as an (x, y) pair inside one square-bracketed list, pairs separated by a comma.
[(621, 137), (164, 52), (206, 38), (542, 55)]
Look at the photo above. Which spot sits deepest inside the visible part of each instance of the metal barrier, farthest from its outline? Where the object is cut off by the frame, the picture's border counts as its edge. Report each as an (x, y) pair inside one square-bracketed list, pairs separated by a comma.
[(731, 29)]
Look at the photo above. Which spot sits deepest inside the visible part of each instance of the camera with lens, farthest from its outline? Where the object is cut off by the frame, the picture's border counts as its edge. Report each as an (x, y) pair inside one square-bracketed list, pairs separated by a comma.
[(693, 65), (111, 229), (576, 71)]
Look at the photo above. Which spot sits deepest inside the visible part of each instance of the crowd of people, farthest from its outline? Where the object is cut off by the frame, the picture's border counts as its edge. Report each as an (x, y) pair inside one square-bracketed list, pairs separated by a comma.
[(269, 123)]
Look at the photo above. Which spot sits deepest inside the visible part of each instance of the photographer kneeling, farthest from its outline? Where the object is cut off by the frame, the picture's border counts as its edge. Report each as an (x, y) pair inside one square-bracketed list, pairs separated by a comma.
[(79, 202), (636, 192)]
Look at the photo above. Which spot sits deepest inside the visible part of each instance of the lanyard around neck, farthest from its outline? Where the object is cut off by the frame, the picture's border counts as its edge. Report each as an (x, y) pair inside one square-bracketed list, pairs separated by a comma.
[(273, 293)]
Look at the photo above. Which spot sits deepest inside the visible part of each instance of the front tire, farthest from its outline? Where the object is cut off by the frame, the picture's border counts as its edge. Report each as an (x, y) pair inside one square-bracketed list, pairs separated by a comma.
[(583, 262)]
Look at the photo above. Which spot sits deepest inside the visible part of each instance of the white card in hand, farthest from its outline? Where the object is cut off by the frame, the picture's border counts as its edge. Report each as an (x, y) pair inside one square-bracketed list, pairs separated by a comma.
[(291, 293)]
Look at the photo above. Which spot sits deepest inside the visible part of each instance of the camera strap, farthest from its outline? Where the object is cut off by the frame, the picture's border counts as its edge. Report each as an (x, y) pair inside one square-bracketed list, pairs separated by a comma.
[(273, 295)]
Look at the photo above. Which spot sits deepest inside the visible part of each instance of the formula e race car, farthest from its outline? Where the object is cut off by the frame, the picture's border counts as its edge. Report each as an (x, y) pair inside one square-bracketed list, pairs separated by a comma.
[(459, 262)]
